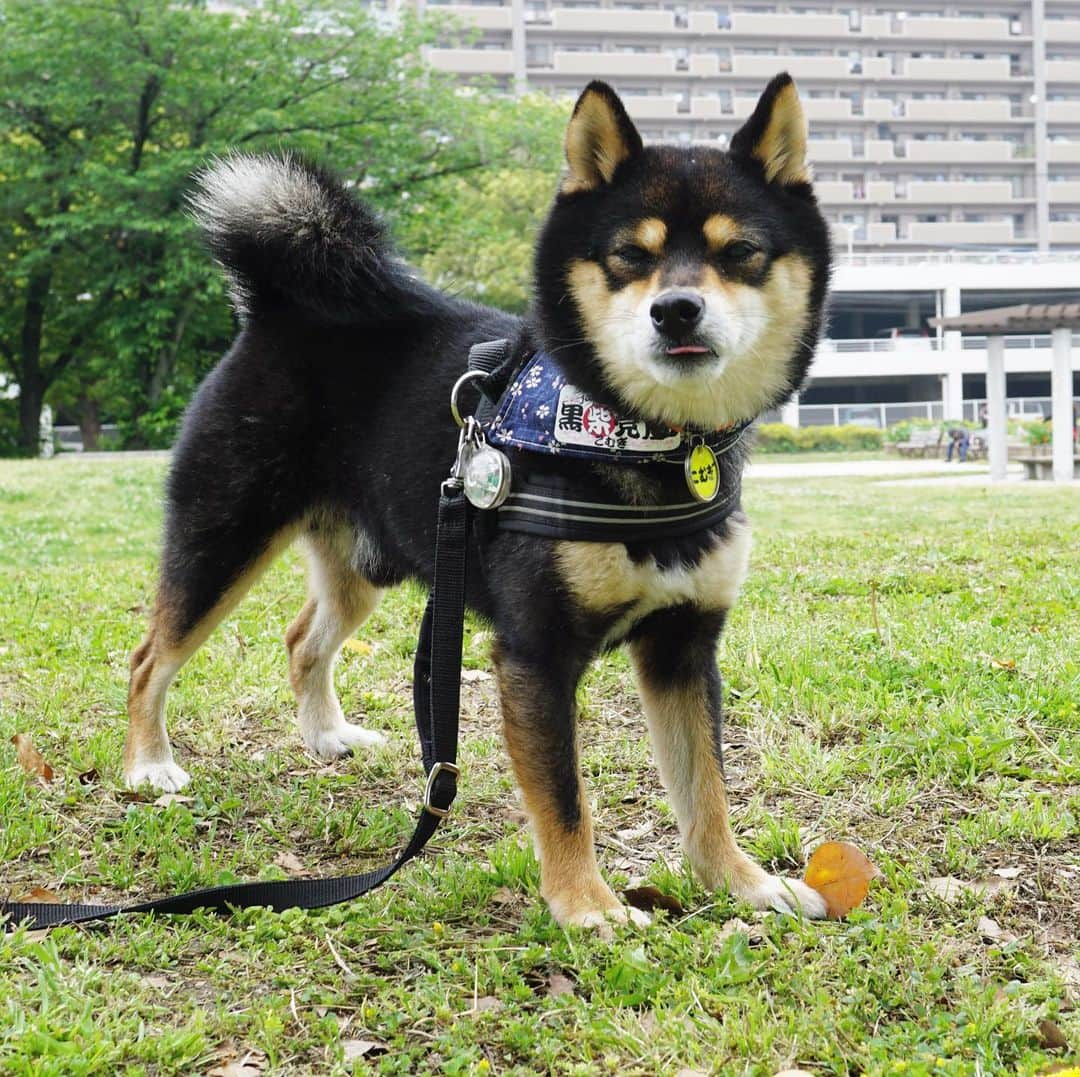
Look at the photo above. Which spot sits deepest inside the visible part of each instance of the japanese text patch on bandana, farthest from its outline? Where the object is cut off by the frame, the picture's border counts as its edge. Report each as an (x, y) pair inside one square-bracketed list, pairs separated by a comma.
[(541, 411)]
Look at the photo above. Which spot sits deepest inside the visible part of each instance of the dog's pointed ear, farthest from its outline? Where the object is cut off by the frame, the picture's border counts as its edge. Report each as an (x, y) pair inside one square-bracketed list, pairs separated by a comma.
[(775, 135), (599, 138)]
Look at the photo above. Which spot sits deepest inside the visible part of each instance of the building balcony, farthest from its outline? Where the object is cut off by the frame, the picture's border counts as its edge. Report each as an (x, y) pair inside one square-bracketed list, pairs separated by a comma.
[(1063, 70), (472, 61), (957, 111), (950, 70), (960, 151), (936, 28), (1062, 29), (1065, 191), (779, 26), (800, 67), (613, 20), (938, 233), (829, 149), (940, 192), (1063, 151), (1065, 232), (485, 18), (816, 108), (1063, 111), (652, 108), (614, 64)]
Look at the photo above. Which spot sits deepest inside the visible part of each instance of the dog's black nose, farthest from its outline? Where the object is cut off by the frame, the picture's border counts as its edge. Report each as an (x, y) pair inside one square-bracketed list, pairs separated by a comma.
[(675, 313)]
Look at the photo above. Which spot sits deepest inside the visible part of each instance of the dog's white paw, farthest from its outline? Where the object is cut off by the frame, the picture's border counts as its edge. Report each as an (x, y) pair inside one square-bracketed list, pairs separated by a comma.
[(164, 777), (603, 921), (340, 740), (791, 896)]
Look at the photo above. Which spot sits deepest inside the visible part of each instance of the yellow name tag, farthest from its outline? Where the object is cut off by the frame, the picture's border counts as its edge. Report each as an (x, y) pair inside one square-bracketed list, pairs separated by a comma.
[(702, 472)]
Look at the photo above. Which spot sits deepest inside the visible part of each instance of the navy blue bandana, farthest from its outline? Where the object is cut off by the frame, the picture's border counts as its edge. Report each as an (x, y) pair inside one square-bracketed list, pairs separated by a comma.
[(540, 411)]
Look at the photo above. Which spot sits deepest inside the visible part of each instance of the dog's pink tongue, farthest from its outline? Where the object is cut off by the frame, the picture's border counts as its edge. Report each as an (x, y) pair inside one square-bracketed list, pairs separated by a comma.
[(688, 349)]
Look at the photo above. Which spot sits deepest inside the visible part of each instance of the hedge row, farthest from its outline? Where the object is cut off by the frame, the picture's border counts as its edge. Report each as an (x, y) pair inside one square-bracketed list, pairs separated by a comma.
[(778, 437)]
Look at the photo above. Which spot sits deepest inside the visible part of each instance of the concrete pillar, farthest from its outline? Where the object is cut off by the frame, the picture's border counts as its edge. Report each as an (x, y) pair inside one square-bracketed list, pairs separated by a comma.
[(952, 395), (995, 402), (950, 308), (789, 413), (1062, 405)]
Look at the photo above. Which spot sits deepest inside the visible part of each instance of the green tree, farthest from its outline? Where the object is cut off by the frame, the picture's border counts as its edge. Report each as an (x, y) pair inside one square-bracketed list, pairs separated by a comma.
[(106, 109)]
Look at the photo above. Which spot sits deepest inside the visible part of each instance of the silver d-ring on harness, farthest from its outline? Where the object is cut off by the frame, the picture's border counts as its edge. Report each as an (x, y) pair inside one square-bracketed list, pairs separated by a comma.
[(483, 471), (465, 378)]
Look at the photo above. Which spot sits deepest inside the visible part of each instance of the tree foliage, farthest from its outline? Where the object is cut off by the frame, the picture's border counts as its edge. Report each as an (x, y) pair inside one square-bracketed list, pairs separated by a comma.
[(108, 304)]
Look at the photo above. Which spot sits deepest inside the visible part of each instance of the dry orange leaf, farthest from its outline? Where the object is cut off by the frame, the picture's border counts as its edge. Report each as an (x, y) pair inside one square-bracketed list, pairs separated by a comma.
[(841, 874), (30, 759), (40, 896)]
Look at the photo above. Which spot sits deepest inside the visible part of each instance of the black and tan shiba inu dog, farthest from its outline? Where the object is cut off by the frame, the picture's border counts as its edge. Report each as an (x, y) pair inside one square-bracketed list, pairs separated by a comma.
[(681, 285)]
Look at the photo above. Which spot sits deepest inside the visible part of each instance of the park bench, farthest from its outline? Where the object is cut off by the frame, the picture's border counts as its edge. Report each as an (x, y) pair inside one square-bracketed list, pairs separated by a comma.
[(921, 442), (1042, 466)]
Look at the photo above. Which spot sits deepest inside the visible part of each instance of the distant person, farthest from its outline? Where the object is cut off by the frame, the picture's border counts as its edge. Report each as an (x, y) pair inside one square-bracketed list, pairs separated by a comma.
[(984, 416), (959, 439)]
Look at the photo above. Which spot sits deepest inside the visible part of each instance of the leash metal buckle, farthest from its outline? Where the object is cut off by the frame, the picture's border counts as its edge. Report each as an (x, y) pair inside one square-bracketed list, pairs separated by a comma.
[(436, 770)]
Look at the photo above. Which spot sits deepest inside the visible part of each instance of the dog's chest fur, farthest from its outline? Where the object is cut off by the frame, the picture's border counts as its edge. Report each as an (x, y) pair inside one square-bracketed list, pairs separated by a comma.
[(605, 580)]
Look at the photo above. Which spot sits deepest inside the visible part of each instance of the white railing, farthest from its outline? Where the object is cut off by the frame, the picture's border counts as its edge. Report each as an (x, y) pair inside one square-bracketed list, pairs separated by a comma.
[(876, 415), (914, 344), (976, 257), (882, 344)]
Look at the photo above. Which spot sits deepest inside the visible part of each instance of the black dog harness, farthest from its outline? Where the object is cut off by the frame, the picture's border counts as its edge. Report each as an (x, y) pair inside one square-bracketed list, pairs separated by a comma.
[(539, 419)]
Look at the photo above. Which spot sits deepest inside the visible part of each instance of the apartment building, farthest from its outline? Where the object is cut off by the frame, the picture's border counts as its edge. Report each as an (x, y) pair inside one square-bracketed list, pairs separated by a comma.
[(949, 124)]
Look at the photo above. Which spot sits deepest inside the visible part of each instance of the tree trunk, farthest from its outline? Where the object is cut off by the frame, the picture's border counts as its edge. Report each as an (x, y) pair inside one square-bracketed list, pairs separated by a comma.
[(31, 382), (31, 401), (89, 423)]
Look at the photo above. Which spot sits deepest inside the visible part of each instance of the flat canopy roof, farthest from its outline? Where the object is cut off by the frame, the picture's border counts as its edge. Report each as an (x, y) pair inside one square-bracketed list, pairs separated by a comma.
[(1026, 318)]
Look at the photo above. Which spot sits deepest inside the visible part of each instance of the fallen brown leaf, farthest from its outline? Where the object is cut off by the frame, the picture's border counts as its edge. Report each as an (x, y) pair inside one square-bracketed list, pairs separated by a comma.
[(30, 759), (88, 777), (166, 799), (992, 931), (558, 985), (290, 862), (754, 933), (1003, 663), (952, 890), (487, 1004), (651, 898), (355, 1049), (503, 896), (39, 895), (1051, 1038), (841, 873), (473, 676), (252, 1064)]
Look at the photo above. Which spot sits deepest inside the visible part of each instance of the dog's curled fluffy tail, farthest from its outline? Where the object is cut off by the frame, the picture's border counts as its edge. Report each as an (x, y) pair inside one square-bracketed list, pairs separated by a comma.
[(289, 234)]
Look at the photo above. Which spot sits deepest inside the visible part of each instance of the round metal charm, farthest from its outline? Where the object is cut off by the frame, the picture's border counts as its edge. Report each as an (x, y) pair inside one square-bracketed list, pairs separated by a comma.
[(486, 474), (702, 472)]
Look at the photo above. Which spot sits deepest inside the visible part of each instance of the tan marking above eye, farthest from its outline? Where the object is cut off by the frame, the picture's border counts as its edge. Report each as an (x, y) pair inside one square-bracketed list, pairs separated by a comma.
[(651, 234), (720, 230)]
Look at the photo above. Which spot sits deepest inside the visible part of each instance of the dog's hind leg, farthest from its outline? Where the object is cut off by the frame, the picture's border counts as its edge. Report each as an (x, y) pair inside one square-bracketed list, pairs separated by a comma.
[(674, 653), (204, 574), (341, 600)]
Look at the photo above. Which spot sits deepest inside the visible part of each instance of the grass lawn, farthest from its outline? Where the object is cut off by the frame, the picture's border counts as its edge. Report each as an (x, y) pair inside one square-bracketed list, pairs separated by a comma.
[(902, 672)]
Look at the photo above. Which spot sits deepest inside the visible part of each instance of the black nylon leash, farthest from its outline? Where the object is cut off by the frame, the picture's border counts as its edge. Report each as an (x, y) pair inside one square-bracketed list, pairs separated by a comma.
[(436, 699)]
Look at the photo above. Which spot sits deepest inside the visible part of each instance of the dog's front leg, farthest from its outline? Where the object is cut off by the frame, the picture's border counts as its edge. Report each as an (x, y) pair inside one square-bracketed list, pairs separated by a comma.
[(674, 653), (539, 723)]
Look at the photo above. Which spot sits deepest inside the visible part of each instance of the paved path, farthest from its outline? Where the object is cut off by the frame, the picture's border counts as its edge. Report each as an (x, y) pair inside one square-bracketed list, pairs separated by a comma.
[(764, 468)]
